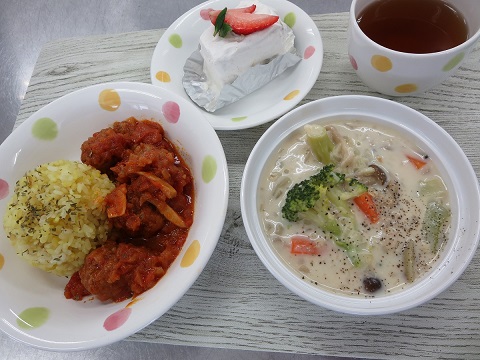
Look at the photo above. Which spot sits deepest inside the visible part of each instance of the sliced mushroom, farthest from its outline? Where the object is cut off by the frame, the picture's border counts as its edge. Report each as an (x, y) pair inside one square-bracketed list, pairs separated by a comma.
[(372, 175), (342, 153), (379, 173)]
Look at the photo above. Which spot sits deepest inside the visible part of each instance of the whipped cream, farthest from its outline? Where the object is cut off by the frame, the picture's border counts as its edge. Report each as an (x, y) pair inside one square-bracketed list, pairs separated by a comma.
[(227, 58)]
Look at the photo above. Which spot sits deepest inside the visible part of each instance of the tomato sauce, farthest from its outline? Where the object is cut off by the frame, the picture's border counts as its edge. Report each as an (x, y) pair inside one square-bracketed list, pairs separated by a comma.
[(150, 211)]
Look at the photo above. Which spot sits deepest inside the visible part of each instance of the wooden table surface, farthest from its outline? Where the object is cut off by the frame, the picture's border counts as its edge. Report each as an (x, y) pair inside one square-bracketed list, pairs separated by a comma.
[(236, 303)]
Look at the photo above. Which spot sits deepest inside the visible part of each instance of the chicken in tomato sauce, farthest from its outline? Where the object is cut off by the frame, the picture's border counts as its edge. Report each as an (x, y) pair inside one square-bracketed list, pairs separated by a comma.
[(150, 210)]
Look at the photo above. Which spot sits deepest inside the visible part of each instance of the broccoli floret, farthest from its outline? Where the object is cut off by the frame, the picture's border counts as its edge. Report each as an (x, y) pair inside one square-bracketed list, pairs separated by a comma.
[(323, 199), (344, 191), (327, 178), (319, 142), (354, 189), (308, 200), (300, 198), (326, 184), (304, 195)]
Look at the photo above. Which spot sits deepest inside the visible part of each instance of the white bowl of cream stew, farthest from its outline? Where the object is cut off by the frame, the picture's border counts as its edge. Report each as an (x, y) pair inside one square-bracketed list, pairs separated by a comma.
[(361, 205)]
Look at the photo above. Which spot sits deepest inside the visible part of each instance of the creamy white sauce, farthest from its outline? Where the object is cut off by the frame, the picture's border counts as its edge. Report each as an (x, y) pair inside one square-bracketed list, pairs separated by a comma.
[(399, 204)]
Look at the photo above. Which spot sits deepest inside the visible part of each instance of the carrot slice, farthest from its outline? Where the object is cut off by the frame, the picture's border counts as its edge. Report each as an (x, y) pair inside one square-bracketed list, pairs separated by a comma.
[(366, 204), (416, 161), (302, 245)]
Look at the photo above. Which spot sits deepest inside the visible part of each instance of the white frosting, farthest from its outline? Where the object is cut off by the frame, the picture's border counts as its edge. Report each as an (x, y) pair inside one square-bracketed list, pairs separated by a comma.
[(227, 58)]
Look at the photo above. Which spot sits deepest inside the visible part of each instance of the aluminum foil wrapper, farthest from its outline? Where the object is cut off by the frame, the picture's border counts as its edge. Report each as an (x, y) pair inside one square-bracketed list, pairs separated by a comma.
[(196, 84)]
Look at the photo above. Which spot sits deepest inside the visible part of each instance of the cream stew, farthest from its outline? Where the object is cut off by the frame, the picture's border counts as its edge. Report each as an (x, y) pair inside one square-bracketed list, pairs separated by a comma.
[(395, 250)]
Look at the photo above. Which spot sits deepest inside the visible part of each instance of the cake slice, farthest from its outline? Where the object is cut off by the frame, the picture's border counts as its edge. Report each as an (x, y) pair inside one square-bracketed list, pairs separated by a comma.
[(226, 58)]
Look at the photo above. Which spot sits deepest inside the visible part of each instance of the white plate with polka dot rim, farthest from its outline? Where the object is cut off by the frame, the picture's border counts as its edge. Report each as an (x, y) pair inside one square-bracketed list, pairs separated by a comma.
[(267, 103), (33, 308)]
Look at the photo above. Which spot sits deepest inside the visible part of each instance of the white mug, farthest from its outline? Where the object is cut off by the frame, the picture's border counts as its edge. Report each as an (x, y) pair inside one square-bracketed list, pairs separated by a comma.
[(398, 73)]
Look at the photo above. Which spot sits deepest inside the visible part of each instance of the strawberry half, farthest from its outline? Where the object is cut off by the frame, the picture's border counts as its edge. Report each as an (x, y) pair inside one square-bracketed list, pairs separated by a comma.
[(244, 24), (242, 20), (214, 13)]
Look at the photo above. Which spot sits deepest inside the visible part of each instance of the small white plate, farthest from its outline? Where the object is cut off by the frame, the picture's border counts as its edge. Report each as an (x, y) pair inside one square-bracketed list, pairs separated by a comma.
[(271, 101), (56, 131)]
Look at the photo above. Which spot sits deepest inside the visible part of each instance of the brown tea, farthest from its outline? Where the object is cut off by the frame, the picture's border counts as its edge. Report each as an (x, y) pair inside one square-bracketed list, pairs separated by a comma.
[(413, 26)]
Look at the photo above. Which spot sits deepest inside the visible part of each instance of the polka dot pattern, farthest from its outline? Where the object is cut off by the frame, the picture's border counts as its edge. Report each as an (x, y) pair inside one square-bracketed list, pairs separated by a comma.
[(176, 41), (406, 88), (292, 95), (387, 75), (191, 254), (33, 317), (381, 63), (239, 118), (163, 76), (109, 100), (353, 62), (184, 34), (4, 188), (209, 168), (117, 319), (171, 111), (308, 53), (45, 129), (290, 19), (454, 62)]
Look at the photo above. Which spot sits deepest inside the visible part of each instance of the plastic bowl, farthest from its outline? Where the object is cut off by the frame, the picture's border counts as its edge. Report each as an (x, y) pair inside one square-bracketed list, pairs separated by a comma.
[(447, 155)]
